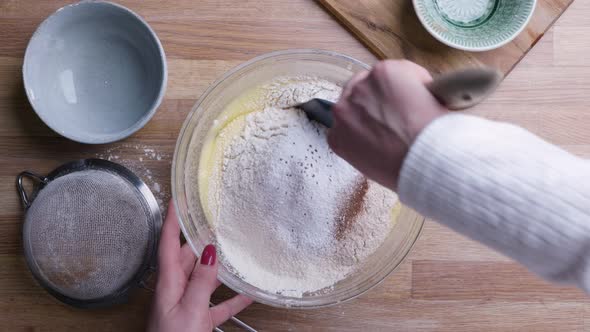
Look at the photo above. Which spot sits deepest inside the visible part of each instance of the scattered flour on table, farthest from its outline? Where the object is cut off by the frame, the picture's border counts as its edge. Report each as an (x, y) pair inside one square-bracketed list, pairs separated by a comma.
[(289, 215), (141, 159)]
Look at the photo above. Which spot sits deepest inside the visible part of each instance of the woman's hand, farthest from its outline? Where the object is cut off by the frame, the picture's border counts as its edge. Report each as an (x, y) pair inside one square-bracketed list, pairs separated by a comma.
[(184, 287), (379, 115)]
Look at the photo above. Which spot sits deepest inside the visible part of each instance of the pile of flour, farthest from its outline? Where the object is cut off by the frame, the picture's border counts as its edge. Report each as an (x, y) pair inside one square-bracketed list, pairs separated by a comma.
[(289, 215)]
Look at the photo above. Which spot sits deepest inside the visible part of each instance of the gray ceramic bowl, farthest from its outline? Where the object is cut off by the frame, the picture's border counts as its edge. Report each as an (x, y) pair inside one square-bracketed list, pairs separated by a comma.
[(95, 72)]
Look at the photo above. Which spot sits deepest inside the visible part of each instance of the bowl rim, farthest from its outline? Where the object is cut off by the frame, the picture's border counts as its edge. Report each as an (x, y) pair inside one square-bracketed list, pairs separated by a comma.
[(441, 39), (148, 114), (174, 175)]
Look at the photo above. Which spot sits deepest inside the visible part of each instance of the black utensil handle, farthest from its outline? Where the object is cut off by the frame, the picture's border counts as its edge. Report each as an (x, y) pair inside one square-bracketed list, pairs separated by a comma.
[(320, 110)]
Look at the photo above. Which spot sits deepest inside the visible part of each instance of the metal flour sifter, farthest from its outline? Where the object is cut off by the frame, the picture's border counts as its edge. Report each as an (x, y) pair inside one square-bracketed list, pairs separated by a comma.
[(90, 232)]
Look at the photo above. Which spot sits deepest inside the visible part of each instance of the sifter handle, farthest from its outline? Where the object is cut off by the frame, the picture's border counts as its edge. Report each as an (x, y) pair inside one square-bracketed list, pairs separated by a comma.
[(24, 197)]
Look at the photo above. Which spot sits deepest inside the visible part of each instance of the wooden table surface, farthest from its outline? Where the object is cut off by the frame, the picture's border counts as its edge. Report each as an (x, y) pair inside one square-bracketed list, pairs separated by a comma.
[(448, 283)]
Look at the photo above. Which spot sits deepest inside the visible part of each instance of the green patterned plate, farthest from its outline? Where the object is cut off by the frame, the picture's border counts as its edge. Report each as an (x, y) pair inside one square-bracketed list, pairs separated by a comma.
[(474, 25)]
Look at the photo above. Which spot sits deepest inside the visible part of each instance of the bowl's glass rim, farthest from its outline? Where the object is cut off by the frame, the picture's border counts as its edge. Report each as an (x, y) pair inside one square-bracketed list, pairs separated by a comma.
[(182, 133)]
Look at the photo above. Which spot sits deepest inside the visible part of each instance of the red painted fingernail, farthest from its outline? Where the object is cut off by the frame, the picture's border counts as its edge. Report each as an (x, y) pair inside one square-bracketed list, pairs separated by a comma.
[(209, 255)]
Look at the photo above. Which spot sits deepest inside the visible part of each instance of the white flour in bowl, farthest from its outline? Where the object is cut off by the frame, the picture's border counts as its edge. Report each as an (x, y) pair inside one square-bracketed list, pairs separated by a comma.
[(290, 216)]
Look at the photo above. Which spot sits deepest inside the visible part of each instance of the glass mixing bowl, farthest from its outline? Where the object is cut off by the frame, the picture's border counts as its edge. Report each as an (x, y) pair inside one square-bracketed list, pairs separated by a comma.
[(332, 66)]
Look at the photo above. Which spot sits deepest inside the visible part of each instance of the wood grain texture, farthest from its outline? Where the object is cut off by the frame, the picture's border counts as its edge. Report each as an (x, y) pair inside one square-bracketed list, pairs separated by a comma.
[(392, 30), (464, 280), (447, 283)]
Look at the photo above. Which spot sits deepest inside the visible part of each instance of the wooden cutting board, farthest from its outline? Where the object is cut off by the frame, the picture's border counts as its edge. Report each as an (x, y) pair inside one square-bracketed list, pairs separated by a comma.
[(390, 28)]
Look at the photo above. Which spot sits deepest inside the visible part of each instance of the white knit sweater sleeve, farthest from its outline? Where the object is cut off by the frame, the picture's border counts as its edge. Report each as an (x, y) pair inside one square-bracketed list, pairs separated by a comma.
[(507, 188)]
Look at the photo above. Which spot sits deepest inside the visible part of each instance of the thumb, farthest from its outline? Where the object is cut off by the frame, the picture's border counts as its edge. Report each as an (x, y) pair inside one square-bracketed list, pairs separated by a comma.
[(203, 279)]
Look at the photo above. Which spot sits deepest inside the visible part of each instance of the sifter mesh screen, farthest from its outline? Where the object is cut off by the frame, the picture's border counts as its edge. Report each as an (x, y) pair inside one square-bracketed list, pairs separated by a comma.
[(89, 233)]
